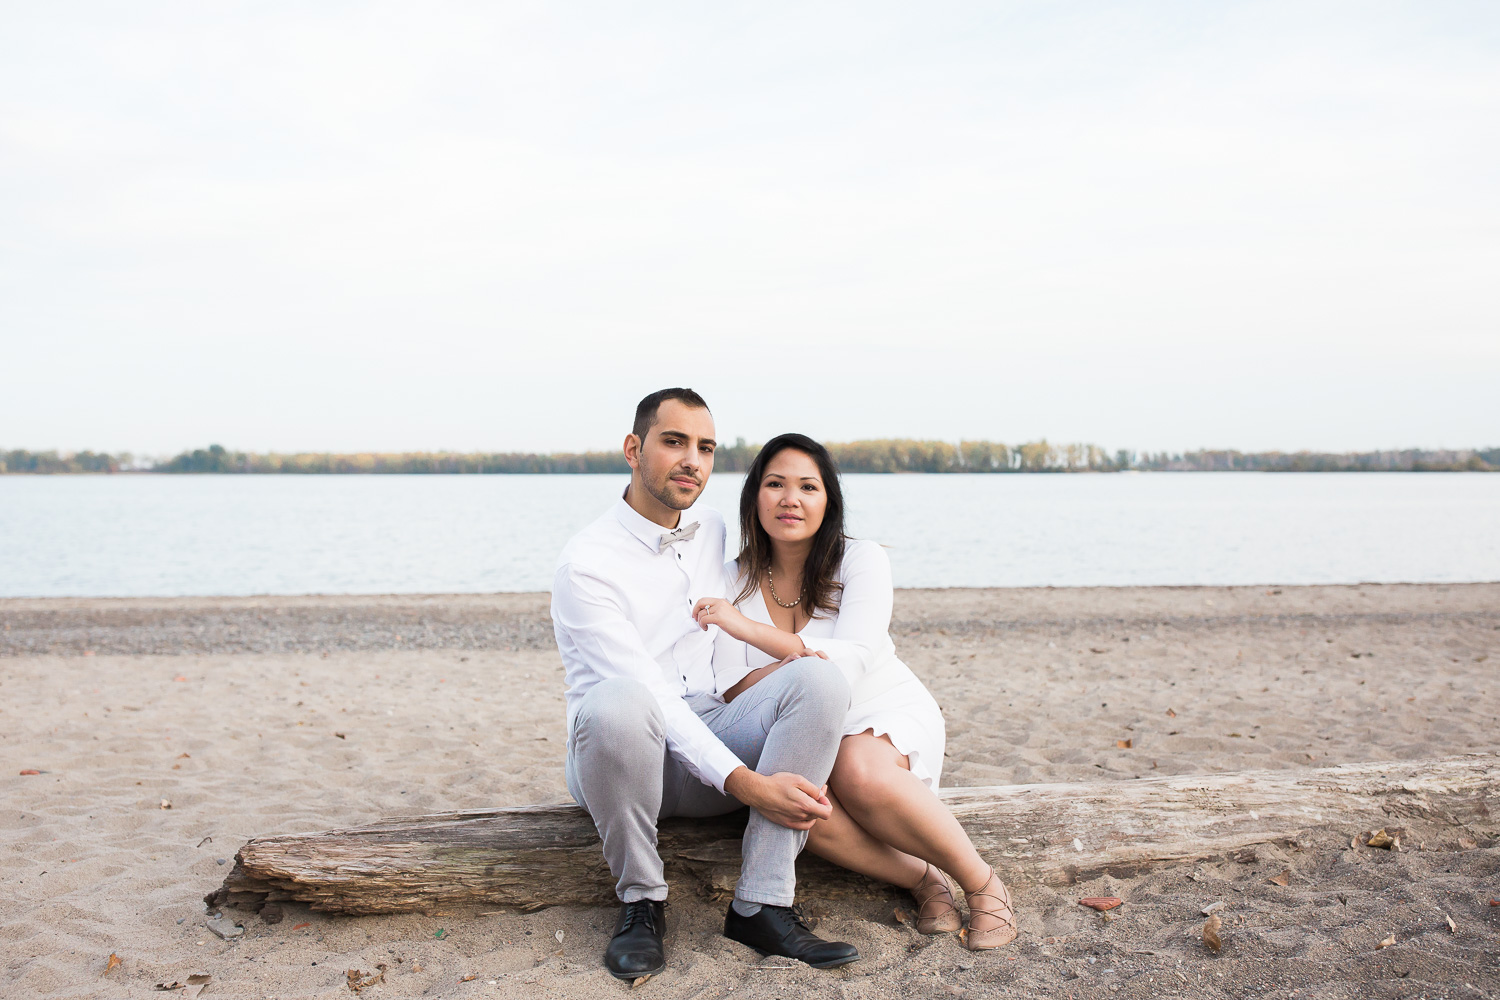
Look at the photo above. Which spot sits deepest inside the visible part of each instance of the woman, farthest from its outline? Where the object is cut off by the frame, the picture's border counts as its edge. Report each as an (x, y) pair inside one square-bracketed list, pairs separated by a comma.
[(808, 589)]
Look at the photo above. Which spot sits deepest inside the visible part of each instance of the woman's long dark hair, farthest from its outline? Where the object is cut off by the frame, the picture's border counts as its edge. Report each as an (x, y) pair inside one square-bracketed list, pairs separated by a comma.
[(820, 592)]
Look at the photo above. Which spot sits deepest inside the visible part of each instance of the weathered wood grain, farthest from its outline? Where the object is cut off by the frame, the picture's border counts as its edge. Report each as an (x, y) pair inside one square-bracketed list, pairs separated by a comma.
[(536, 856)]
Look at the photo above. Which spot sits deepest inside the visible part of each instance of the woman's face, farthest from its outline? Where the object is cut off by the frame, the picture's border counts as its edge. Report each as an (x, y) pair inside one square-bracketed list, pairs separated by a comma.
[(792, 498)]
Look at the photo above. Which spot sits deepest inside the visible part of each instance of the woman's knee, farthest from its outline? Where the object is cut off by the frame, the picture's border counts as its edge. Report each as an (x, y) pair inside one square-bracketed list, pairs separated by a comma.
[(863, 774)]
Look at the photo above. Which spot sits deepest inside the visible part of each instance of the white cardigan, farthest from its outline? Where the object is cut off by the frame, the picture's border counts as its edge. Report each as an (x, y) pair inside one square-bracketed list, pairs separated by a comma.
[(857, 639)]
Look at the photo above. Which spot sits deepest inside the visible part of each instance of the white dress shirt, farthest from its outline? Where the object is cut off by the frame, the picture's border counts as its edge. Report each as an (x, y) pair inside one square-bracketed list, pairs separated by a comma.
[(622, 607), (857, 639)]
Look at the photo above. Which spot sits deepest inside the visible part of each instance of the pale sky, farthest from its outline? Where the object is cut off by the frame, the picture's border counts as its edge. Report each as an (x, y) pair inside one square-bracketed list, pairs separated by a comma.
[(494, 226)]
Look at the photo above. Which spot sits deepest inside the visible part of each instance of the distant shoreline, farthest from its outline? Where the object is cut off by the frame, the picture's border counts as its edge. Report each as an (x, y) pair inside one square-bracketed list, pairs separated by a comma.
[(154, 473), (874, 456), (324, 623), (519, 619)]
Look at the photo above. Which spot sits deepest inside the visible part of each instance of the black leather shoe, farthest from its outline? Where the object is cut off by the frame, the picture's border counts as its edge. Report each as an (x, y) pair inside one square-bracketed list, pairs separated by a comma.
[(636, 949), (782, 930)]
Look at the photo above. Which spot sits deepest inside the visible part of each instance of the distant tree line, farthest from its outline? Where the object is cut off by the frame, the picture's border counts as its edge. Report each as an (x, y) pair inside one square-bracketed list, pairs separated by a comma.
[(901, 455), (215, 458), (886, 455), (51, 462), (1409, 460)]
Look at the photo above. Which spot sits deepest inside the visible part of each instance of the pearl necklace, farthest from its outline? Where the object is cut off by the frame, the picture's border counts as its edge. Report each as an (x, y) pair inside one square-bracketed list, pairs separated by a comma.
[(773, 592)]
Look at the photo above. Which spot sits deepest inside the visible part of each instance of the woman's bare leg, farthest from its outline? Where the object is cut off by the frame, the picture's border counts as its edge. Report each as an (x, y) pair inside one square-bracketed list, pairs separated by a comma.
[(874, 783), (844, 842)]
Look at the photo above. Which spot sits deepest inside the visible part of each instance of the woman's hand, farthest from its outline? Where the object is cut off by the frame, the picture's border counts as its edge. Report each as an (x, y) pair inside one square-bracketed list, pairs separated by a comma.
[(721, 612), (804, 652)]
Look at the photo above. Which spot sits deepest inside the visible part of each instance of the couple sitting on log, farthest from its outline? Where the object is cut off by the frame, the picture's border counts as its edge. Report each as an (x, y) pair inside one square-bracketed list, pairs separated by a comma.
[(696, 687)]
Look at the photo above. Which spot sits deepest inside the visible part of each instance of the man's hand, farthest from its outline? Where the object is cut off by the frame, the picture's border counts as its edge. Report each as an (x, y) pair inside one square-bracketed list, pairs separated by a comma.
[(785, 799)]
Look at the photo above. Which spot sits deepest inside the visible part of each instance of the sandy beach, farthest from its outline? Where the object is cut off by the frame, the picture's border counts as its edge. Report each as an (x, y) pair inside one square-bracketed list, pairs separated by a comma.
[(166, 733)]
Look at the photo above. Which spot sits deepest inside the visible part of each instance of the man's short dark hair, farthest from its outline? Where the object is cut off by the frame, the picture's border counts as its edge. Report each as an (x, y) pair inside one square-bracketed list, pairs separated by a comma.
[(645, 413)]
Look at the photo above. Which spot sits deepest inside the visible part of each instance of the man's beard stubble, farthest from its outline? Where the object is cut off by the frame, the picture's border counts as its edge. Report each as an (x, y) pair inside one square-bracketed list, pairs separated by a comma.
[(661, 492)]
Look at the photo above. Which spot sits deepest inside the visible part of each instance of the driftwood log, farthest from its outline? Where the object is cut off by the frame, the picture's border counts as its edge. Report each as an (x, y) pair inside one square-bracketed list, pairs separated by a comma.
[(536, 856)]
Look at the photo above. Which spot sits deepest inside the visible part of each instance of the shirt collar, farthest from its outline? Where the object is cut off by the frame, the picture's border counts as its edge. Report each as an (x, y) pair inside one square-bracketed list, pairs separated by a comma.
[(645, 529)]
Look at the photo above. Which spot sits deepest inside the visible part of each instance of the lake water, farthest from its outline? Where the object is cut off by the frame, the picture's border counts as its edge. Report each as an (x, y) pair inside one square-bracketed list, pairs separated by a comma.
[(199, 535)]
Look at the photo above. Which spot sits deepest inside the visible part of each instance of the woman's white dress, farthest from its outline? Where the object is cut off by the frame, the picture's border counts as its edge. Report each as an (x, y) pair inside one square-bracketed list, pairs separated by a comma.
[(886, 696)]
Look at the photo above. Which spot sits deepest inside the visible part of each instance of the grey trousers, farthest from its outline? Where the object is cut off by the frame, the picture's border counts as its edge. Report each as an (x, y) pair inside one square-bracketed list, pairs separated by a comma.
[(619, 770)]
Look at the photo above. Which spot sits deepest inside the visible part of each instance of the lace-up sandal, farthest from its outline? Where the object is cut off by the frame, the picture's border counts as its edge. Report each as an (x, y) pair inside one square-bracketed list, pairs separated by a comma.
[(937, 910), (992, 901)]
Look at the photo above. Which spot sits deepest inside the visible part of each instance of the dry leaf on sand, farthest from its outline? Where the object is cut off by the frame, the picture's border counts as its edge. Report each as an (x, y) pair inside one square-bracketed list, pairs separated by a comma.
[(1452, 927), (1124, 744), (1211, 938), (639, 980), (1386, 942), (1282, 879), (815, 912), (1101, 903), (1171, 714), (1379, 838), (357, 980), (112, 964)]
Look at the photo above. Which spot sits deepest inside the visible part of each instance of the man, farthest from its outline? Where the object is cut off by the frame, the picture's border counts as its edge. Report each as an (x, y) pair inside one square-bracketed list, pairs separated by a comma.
[(649, 734)]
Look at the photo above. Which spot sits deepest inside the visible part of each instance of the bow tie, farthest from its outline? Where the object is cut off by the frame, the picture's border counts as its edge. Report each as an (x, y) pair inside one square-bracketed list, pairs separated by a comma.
[(682, 534)]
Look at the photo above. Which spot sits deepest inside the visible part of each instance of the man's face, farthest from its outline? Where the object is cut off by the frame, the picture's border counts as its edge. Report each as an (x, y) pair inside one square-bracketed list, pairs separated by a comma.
[(673, 463)]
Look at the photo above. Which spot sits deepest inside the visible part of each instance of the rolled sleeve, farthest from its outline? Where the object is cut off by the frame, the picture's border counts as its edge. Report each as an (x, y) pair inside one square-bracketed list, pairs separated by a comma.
[(598, 642)]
